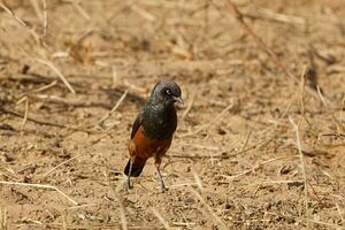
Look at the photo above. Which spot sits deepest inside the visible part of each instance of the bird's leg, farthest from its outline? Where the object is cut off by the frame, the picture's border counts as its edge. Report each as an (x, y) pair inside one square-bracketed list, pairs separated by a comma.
[(158, 164), (130, 172)]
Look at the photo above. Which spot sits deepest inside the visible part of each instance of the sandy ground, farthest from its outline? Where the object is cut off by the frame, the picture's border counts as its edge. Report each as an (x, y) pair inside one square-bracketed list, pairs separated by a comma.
[(254, 149)]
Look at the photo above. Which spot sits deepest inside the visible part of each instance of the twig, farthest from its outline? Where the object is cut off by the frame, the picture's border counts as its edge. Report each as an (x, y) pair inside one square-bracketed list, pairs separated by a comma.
[(197, 179), (42, 122), (186, 224), (43, 88), (64, 219), (39, 225), (182, 185), (106, 133), (270, 15), (60, 75), (118, 103), (124, 222), (322, 98), (69, 102), (301, 91), (196, 156), (145, 14), (325, 224), (82, 206), (3, 219), (59, 165), (80, 9), (295, 127), (10, 12), (31, 119), (22, 23), (42, 186), (45, 18), (198, 146), (257, 166), (289, 182), (240, 18), (25, 118), (115, 76), (215, 217), (189, 107), (340, 213), (214, 121), (37, 10), (160, 218), (246, 141)]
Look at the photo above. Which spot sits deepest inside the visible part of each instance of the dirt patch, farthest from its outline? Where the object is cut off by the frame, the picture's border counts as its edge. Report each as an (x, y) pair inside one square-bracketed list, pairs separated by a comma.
[(235, 160)]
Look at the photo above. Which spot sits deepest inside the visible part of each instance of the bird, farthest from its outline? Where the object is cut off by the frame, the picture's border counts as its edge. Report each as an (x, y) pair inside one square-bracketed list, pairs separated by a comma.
[(153, 130)]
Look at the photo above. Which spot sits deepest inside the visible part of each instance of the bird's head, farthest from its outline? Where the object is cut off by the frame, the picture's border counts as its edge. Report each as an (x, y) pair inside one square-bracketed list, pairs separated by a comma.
[(166, 92)]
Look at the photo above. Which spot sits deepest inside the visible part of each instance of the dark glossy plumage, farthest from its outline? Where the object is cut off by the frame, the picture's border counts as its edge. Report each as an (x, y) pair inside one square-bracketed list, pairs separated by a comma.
[(153, 128)]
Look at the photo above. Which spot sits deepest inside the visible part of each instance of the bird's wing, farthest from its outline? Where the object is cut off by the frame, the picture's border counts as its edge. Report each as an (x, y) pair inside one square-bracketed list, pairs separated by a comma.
[(138, 121)]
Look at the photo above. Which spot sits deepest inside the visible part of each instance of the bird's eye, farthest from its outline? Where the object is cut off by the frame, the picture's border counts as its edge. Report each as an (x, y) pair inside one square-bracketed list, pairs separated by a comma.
[(168, 92)]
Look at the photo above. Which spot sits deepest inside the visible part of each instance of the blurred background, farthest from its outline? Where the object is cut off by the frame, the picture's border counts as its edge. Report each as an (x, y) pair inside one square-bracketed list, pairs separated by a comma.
[(261, 137)]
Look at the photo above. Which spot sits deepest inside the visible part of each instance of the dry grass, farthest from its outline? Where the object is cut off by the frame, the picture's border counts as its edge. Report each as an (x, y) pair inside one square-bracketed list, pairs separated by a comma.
[(259, 145), (3, 219)]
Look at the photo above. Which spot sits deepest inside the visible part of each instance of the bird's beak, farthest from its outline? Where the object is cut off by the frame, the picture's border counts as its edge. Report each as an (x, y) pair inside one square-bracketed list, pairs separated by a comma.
[(179, 100)]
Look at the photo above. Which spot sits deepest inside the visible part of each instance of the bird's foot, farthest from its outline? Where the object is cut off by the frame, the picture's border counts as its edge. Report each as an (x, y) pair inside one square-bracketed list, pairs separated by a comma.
[(160, 179), (128, 185), (163, 189)]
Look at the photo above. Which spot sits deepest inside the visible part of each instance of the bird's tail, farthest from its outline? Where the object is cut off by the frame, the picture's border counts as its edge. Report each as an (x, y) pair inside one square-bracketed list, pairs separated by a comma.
[(137, 167)]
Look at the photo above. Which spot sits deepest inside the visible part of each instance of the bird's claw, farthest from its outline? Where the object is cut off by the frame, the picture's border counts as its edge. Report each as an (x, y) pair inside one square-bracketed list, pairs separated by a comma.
[(163, 189)]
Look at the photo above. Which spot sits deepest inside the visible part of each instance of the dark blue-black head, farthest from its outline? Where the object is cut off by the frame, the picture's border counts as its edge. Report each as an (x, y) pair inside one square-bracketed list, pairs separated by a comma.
[(166, 92)]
